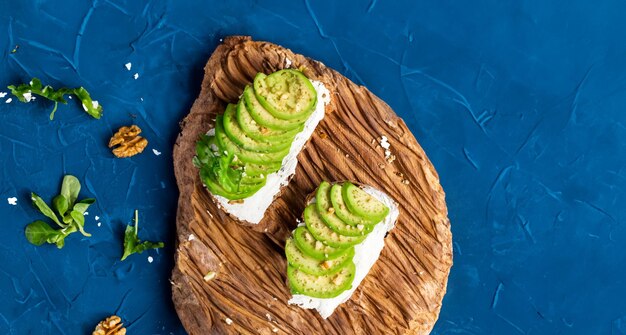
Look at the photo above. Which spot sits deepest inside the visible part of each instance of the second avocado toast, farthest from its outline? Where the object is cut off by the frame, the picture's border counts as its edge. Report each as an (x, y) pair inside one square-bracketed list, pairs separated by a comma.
[(326, 265)]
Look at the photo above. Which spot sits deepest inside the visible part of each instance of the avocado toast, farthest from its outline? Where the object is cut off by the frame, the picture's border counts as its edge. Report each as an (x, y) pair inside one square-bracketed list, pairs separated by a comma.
[(251, 153), (341, 237)]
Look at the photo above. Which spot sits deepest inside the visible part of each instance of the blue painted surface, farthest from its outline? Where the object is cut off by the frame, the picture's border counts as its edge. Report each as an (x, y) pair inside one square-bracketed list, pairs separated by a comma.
[(521, 106)]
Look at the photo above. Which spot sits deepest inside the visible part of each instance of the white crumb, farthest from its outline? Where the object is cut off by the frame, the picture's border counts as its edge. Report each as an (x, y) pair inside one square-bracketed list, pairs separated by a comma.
[(156, 152), (9, 100), (136, 76), (99, 224), (28, 96), (384, 142), (128, 65), (97, 218), (86, 213), (141, 99), (287, 63), (150, 259), (228, 321), (70, 97), (274, 330), (84, 107), (191, 237), (3, 94), (95, 103), (12, 201)]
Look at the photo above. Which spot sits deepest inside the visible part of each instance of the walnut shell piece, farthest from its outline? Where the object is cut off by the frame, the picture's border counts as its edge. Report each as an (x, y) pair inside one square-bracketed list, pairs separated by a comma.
[(128, 142), (110, 326)]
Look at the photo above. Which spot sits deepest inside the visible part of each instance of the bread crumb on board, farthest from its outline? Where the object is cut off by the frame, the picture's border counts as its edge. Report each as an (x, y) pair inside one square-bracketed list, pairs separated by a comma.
[(210, 275)]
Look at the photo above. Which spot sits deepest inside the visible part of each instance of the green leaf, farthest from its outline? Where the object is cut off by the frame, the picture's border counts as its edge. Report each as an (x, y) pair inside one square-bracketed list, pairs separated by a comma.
[(146, 245), (70, 211), (79, 222), (67, 218), (83, 205), (39, 233), (44, 209), (60, 204), (23, 91), (88, 201), (70, 189), (90, 106), (132, 243)]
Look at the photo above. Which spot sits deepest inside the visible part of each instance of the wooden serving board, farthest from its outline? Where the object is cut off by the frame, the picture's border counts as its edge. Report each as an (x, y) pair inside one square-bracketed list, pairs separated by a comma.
[(402, 293)]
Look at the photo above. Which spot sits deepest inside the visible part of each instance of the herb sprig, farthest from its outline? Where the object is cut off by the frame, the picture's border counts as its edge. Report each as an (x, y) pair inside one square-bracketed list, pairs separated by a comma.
[(25, 92), (132, 243), (70, 219)]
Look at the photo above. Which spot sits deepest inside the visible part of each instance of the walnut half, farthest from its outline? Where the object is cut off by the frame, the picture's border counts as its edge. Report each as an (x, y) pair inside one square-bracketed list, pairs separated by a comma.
[(110, 326), (128, 142)]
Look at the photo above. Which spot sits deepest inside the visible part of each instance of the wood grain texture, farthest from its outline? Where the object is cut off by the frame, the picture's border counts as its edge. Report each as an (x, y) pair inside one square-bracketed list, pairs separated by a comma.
[(402, 293)]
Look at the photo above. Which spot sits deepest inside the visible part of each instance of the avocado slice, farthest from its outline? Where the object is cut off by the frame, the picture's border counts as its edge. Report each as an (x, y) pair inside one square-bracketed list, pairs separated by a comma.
[(329, 216), (259, 132), (263, 117), (336, 198), (246, 156), (326, 286), (237, 135), (363, 204), (314, 248), (257, 170), (217, 188), (310, 265), (323, 233), (286, 94)]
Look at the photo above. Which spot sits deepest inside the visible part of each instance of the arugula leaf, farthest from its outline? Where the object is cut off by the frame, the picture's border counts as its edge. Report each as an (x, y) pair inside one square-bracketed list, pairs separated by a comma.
[(44, 209), (39, 232), (215, 164), (25, 92), (132, 243), (92, 107), (72, 214)]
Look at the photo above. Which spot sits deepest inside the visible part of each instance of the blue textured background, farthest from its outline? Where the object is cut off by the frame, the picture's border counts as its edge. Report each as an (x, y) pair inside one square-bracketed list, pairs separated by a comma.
[(521, 106)]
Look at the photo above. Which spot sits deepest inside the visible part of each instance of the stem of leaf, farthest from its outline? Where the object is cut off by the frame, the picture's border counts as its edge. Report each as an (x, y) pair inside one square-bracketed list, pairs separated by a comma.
[(136, 221), (56, 104)]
